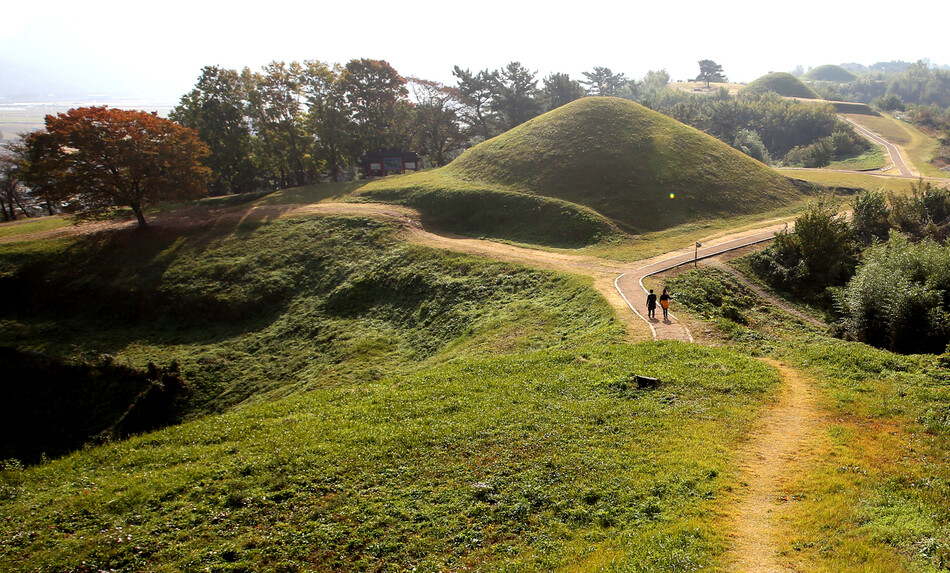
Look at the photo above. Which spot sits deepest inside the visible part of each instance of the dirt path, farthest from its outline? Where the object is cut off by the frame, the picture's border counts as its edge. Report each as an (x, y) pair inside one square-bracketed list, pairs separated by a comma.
[(620, 283), (775, 452), (766, 459)]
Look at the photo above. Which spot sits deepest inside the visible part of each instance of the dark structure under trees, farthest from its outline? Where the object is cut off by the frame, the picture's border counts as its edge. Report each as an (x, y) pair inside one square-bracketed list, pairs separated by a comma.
[(388, 161)]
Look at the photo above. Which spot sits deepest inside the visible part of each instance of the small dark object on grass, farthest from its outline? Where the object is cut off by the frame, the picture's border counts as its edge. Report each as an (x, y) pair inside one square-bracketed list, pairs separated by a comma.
[(647, 382)]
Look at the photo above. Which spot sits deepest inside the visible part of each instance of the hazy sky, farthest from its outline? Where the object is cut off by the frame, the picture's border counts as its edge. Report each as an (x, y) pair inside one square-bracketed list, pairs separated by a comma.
[(160, 47)]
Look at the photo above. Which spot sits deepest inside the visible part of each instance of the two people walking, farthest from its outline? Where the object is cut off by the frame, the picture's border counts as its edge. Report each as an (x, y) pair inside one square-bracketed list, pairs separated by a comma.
[(664, 302)]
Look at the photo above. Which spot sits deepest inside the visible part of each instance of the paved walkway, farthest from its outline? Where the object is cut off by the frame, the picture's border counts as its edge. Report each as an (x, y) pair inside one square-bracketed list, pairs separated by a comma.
[(630, 283)]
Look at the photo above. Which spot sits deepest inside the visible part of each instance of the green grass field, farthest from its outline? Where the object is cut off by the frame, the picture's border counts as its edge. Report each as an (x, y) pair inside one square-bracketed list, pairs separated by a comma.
[(356, 402), (873, 159), (872, 495), (834, 179), (919, 146), (537, 461), (27, 226)]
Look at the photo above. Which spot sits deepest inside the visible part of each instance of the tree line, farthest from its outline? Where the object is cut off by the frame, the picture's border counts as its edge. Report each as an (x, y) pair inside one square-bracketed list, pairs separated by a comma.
[(307, 122), (303, 122), (300, 123)]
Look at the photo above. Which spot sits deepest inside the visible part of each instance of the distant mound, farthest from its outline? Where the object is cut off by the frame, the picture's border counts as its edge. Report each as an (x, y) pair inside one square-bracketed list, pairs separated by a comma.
[(784, 84), (830, 73), (597, 159), (625, 161)]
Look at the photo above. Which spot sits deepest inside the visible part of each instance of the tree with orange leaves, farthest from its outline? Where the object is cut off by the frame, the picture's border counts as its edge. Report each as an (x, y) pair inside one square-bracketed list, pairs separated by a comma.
[(98, 158)]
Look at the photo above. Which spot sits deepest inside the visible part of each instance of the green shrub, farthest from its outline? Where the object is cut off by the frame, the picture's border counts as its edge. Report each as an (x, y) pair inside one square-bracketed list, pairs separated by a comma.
[(819, 253), (748, 142), (870, 216), (898, 298)]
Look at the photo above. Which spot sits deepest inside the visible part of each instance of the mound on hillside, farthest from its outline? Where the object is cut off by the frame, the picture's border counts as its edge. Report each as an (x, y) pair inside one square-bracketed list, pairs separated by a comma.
[(784, 84), (640, 169), (830, 73)]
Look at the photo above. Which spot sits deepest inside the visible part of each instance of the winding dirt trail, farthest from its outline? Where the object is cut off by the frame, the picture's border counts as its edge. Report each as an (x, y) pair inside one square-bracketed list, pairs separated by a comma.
[(778, 444), (783, 430), (620, 283)]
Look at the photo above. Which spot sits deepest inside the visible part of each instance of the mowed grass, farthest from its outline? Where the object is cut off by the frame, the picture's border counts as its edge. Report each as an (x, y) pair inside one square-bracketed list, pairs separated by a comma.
[(872, 492), (919, 146), (837, 180), (36, 225), (460, 205), (535, 461), (872, 159)]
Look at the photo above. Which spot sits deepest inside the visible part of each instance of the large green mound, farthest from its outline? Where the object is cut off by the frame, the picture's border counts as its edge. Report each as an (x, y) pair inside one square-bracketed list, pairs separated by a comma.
[(784, 84), (641, 169), (830, 73)]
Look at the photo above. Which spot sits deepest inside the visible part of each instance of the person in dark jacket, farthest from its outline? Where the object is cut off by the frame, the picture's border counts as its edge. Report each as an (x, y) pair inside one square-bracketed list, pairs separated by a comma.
[(651, 304)]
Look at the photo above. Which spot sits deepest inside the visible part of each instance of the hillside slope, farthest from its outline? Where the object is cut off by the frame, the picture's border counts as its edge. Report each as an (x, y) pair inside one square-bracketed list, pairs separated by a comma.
[(831, 73), (637, 167), (784, 84), (640, 169)]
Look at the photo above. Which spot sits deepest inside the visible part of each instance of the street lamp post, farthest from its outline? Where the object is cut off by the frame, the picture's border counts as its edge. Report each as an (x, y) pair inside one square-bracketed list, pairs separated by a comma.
[(696, 254)]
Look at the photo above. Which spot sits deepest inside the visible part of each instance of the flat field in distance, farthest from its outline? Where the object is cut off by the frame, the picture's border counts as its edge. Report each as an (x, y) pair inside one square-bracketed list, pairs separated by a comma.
[(25, 117)]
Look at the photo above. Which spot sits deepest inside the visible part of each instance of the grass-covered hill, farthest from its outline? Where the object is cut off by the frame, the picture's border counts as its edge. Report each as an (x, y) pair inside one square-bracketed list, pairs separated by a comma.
[(586, 167), (248, 311), (784, 84), (830, 73), (348, 402)]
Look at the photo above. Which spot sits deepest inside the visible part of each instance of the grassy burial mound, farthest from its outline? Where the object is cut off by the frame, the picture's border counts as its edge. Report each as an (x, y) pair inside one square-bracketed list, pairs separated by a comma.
[(784, 84), (603, 158), (830, 73)]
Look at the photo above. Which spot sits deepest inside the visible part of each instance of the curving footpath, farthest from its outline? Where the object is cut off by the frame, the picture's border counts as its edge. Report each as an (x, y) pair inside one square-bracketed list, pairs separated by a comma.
[(895, 154), (611, 278), (630, 283)]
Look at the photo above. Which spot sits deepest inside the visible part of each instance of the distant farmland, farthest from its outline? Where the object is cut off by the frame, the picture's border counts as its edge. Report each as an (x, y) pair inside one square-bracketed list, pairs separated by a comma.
[(25, 117)]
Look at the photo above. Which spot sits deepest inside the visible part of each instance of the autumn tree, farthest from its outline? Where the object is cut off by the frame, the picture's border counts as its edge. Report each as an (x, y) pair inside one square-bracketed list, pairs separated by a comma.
[(12, 188), (215, 108), (33, 153), (97, 158)]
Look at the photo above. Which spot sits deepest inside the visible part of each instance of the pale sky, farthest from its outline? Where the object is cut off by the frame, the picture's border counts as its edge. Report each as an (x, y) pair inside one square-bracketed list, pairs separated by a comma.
[(160, 48)]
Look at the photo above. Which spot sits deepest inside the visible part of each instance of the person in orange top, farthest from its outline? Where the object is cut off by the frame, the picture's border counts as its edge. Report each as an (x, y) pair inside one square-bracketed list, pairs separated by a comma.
[(665, 303)]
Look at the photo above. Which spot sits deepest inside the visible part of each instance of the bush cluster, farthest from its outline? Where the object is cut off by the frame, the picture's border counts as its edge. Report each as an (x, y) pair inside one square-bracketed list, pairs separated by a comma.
[(837, 146), (894, 295), (820, 252)]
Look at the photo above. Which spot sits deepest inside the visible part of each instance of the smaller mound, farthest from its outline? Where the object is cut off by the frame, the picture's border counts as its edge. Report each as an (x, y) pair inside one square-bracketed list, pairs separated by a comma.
[(477, 209), (830, 73), (784, 84)]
